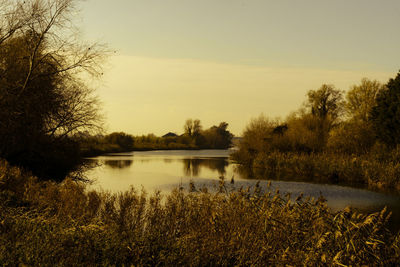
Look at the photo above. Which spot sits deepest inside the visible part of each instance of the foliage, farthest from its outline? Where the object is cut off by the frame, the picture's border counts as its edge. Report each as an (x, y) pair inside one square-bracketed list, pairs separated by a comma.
[(352, 137), (192, 127), (64, 224), (326, 105), (385, 116), (306, 132), (326, 102), (358, 159), (122, 142), (360, 99), (43, 100), (303, 131), (121, 139), (318, 142), (262, 136), (255, 139), (216, 137)]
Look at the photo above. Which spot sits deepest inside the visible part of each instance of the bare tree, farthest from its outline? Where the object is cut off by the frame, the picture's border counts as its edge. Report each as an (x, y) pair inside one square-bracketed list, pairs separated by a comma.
[(362, 98), (326, 102), (192, 127), (42, 62), (326, 106), (197, 127), (188, 127)]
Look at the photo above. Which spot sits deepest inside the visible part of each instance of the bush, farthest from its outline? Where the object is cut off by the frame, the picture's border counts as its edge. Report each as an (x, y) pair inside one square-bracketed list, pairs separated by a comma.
[(351, 138)]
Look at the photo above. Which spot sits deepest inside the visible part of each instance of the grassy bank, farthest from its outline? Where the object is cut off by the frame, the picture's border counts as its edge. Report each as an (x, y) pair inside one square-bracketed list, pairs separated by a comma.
[(377, 170), (101, 149), (43, 223)]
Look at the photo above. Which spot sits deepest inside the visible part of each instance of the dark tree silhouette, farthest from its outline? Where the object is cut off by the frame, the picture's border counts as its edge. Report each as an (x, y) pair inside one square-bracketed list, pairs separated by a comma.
[(43, 99), (385, 116), (326, 105)]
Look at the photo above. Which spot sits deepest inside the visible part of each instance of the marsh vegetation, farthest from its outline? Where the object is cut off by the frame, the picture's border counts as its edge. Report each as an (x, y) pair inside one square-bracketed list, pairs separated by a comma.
[(44, 223)]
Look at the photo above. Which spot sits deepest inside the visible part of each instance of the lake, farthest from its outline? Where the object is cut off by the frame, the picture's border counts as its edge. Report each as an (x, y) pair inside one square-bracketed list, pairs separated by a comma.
[(166, 170)]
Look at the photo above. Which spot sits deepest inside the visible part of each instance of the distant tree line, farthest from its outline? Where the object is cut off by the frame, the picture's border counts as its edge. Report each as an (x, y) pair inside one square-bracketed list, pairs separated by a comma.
[(215, 137), (330, 120), (194, 137)]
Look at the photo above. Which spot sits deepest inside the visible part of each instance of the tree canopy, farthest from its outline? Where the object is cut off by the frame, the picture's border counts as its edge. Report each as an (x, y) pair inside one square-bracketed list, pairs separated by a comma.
[(192, 127), (325, 102), (360, 99)]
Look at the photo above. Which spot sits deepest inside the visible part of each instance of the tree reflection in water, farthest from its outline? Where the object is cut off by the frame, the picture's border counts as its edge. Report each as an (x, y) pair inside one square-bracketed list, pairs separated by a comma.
[(118, 164), (192, 167)]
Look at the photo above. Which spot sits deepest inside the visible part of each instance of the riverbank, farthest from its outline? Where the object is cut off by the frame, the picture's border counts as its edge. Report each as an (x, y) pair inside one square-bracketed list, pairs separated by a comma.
[(102, 150), (93, 149), (44, 223), (377, 171)]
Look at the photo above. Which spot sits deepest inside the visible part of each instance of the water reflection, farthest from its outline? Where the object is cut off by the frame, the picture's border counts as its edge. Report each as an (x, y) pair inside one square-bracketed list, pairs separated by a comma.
[(118, 164), (192, 167)]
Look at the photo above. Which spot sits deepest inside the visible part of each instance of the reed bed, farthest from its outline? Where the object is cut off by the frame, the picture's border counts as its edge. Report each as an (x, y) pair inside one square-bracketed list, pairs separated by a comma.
[(44, 223), (373, 170)]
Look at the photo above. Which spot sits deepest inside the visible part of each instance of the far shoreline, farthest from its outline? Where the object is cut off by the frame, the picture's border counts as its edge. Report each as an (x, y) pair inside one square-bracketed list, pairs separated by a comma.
[(109, 153)]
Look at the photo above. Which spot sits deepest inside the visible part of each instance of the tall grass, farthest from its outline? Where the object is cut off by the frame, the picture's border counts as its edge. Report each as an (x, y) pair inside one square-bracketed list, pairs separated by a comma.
[(373, 170), (44, 223)]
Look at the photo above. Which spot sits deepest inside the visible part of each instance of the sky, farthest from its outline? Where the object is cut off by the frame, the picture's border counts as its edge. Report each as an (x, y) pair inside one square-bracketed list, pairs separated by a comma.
[(232, 60)]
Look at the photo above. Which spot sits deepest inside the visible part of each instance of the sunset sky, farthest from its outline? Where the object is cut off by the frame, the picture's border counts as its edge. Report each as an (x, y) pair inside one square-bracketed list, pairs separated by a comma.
[(228, 60)]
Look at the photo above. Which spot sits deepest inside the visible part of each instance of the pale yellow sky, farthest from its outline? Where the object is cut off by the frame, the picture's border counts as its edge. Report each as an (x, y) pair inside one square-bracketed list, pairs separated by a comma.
[(155, 95), (231, 60)]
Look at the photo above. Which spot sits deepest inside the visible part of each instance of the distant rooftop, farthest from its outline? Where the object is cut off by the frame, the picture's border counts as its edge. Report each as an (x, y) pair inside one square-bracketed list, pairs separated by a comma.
[(170, 135)]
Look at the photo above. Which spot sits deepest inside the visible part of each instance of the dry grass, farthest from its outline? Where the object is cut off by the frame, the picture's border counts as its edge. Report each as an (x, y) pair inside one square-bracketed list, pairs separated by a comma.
[(369, 169), (43, 223)]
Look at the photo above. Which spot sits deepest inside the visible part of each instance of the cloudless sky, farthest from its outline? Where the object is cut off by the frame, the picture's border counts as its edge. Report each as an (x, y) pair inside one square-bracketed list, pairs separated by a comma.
[(230, 60)]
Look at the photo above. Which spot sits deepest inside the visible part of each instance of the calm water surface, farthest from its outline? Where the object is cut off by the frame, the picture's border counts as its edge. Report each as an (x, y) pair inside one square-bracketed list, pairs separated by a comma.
[(165, 170)]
